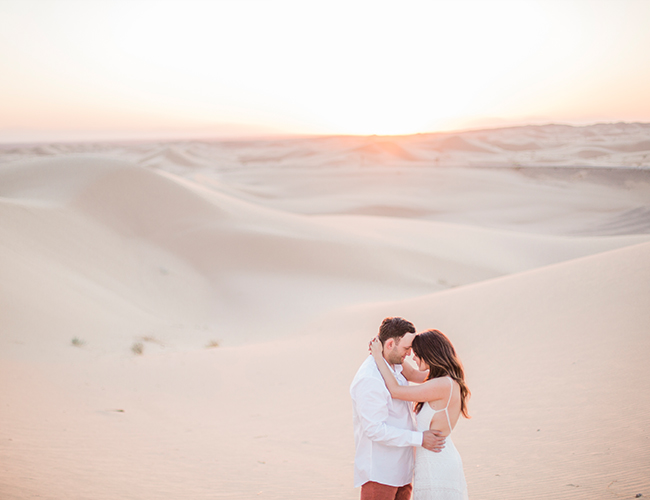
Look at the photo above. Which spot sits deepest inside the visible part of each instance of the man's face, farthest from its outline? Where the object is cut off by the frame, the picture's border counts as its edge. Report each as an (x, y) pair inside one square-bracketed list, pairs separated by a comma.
[(400, 350)]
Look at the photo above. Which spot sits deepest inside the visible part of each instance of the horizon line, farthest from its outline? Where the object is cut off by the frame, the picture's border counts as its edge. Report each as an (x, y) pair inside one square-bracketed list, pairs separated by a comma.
[(186, 136)]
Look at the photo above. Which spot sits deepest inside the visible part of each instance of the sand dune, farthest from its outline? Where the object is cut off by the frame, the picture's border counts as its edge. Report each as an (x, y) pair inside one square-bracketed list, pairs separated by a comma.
[(177, 250), (182, 424), (287, 254)]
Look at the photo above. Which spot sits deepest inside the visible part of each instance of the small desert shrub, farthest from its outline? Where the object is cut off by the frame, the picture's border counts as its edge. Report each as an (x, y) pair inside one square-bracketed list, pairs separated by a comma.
[(137, 348), (77, 342), (152, 339), (212, 343)]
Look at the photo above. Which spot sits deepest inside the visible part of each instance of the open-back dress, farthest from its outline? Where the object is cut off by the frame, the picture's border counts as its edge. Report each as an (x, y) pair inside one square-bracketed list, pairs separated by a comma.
[(438, 476)]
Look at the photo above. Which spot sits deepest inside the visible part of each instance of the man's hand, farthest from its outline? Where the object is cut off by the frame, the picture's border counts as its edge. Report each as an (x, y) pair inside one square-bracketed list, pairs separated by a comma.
[(433, 441)]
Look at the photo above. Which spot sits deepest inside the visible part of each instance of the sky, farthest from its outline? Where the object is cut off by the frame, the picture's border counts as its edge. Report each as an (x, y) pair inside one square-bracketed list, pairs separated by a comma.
[(79, 69)]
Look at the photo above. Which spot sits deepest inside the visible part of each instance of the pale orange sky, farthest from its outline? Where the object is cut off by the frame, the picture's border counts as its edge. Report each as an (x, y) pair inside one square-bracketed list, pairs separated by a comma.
[(145, 68)]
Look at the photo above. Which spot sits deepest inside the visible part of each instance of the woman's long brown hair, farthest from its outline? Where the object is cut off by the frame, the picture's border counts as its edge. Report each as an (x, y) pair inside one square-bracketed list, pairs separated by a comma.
[(434, 348)]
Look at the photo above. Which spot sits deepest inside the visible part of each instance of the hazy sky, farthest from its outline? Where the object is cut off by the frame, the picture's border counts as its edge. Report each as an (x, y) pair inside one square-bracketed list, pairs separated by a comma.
[(118, 67)]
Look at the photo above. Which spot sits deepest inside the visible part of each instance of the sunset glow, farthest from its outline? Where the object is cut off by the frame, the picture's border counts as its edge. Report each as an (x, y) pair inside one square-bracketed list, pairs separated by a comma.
[(318, 67)]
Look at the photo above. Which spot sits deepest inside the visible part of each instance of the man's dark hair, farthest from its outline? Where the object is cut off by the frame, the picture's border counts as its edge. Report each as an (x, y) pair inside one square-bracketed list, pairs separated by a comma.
[(394, 328)]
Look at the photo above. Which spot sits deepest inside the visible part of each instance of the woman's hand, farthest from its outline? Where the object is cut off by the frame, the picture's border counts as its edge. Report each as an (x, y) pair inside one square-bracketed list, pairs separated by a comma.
[(376, 348)]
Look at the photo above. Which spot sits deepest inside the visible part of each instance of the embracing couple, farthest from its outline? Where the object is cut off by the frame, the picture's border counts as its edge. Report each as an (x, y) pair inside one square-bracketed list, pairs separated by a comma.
[(388, 427)]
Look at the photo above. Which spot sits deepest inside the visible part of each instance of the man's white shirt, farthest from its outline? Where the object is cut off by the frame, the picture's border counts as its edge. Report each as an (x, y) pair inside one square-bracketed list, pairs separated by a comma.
[(384, 429)]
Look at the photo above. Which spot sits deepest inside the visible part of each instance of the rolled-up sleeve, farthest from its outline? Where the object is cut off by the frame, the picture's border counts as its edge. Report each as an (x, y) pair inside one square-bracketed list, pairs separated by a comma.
[(371, 404)]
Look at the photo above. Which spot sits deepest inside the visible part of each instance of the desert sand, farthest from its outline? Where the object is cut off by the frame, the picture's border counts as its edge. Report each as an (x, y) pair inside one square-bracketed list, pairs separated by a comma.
[(183, 319)]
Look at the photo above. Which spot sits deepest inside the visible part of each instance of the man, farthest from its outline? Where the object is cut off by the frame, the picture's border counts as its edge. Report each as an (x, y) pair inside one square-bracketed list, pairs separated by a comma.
[(384, 428)]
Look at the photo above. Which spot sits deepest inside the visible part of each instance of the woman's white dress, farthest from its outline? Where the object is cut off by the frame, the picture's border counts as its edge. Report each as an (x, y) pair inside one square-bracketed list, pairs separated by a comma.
[(438, 476)]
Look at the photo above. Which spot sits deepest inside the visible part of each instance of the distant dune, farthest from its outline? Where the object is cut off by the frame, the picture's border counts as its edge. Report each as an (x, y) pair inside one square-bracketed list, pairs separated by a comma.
[(183, 319)]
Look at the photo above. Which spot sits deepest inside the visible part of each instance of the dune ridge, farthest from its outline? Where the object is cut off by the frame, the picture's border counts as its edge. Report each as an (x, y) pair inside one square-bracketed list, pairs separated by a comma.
[(177, 250)]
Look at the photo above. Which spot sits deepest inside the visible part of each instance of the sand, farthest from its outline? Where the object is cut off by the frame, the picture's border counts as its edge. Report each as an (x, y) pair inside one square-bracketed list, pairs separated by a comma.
[(183, 319)]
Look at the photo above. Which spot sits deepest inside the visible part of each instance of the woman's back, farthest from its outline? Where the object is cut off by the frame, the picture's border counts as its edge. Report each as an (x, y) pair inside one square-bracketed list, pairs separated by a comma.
[(439, 476), (441, 414)]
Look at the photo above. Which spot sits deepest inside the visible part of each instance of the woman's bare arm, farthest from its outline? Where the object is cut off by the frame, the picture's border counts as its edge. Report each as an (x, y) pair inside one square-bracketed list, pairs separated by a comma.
[(428, 391), (413, 374)]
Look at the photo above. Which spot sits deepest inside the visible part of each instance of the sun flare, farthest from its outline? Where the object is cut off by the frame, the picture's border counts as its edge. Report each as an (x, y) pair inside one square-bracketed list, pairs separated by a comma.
[(353, 68)]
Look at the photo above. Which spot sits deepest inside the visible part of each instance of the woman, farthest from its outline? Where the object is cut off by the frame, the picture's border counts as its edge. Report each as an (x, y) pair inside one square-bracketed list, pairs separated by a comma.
[(441, 399)]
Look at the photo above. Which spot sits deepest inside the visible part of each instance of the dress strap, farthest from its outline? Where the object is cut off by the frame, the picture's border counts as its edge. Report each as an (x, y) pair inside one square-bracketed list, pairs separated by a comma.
[(451, 391)]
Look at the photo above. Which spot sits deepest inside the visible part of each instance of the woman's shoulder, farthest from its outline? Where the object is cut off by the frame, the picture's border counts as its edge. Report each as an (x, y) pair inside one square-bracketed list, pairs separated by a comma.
[(441, 381), (440, 385)]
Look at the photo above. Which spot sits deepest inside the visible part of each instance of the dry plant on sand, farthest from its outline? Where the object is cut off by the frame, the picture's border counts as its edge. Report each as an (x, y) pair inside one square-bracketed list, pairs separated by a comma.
[(150, 338), (137, 348)]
